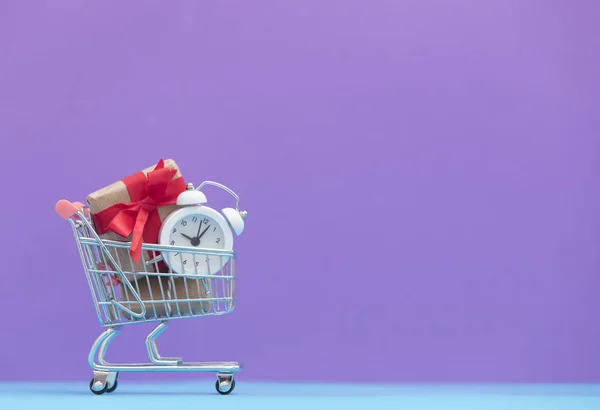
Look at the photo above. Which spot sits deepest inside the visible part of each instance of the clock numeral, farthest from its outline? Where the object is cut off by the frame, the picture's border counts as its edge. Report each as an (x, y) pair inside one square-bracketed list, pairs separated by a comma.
[(194, 219), (176, 253), (185, 262), (197, 263), (172, 242), (218, 240), (184, 223), (214, 229), (174, 230), (205, 221)]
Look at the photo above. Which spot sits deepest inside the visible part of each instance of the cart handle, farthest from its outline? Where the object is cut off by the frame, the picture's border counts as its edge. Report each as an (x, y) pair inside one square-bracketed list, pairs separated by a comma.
[(68, 210)]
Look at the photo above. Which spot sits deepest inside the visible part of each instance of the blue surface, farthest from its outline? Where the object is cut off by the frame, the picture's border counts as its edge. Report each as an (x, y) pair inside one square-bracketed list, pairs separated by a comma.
[(201, 395)]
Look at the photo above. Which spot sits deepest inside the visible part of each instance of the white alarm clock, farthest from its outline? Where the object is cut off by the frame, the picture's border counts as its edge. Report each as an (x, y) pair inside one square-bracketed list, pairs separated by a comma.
[(197, 225)]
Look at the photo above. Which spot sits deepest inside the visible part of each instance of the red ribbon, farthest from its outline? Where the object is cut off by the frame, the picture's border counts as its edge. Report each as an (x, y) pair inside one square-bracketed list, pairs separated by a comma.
[(140, 216)]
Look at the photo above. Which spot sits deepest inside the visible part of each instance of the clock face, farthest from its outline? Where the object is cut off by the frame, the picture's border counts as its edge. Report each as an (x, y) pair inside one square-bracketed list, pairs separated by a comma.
[(198, 230)]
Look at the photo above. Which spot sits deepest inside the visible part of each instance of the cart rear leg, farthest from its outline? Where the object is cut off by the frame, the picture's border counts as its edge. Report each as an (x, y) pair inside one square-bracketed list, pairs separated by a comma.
[(103, 381), (99, 347), (153, 350)]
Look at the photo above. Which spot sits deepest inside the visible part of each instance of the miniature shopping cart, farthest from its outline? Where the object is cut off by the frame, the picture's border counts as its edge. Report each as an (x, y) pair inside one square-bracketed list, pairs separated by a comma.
[(123, 296)]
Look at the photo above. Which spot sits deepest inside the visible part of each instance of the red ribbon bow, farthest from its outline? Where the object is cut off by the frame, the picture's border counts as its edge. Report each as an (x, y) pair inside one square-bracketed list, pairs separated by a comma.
[(140, 216)]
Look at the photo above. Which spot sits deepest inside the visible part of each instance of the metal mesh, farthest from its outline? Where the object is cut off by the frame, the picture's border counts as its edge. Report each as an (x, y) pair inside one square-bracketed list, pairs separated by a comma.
[(163, 293)]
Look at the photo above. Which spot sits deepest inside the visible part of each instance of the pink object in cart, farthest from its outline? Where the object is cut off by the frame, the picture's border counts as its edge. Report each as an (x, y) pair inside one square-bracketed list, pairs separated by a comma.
[(66, 209)]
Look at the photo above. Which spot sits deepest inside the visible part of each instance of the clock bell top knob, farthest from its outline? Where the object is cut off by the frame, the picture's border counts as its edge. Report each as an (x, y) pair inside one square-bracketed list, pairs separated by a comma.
[(191, 196)]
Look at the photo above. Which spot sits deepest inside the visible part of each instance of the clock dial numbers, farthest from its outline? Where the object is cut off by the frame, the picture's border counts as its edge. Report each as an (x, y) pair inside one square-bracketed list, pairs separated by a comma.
[(196, 231)]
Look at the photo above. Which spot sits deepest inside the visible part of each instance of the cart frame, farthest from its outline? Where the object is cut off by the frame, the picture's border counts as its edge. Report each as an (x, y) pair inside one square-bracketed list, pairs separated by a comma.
[(117, 291)]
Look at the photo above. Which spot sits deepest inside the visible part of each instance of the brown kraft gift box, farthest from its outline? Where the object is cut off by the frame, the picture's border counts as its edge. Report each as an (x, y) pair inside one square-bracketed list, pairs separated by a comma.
[(195, 290), (116, 193)]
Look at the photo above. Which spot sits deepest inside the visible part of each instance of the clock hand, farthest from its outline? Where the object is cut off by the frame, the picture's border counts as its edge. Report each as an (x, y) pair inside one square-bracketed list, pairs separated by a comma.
[(203, 232), (199, 226), (187, 237)]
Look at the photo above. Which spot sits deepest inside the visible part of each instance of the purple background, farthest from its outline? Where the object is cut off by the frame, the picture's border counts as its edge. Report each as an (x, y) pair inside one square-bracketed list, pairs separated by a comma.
[(421, 178)]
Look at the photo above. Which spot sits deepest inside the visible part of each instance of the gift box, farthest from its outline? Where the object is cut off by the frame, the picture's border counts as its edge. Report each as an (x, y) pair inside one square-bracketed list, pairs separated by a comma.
[(132, 210), (162, 296)]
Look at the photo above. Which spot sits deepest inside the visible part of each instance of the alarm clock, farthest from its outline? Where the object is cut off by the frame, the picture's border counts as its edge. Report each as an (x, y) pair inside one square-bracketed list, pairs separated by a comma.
[(199, 226)]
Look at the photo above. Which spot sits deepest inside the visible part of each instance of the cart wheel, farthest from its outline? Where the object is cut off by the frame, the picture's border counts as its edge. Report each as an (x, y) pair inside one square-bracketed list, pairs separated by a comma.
[(114, 386), (225, 387), (98, 387)]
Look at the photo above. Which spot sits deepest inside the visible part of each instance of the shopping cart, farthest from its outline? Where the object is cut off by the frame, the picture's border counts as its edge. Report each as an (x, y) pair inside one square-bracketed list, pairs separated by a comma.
[(125, 297)]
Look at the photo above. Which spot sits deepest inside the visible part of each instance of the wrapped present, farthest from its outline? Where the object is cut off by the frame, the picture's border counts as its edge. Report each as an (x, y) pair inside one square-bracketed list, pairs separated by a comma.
[(132, 210), (165, 296)]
